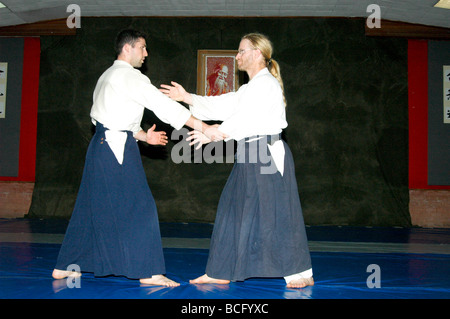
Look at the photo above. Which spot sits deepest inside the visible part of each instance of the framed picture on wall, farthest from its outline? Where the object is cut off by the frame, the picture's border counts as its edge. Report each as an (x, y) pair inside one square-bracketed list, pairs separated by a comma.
[(217, 72)]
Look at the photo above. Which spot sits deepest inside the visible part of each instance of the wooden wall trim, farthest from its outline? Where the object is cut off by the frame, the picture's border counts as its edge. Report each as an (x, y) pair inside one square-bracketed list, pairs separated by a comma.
[(388, 29), (408, 30), (51, 27)]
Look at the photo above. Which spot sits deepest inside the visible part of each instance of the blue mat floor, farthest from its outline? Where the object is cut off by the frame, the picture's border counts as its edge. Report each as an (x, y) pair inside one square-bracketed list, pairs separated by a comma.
[(408, 263)]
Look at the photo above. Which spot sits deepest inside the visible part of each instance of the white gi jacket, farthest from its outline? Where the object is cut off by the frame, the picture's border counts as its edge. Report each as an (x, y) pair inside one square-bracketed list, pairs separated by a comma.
[(257, 108), (121, 94)]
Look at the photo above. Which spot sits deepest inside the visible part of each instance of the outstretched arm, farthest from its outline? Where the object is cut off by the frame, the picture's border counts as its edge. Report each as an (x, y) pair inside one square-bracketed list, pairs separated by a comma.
[(178, 93), (210, 131)]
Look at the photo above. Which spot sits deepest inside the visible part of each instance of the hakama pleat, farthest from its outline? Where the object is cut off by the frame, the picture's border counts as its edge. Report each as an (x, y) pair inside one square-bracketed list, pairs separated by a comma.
[(114, 227), (259, 229)]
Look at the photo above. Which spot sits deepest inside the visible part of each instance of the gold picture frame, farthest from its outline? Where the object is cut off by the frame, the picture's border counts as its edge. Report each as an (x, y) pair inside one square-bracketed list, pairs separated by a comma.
[(217, 72)]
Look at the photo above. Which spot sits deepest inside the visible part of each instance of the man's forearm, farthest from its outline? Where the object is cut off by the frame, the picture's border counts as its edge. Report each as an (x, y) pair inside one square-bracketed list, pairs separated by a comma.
[(196, 124), (141, 136)]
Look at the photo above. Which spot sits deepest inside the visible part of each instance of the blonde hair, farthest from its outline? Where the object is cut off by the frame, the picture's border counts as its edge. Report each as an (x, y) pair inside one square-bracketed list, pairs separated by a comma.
[(262, 42)]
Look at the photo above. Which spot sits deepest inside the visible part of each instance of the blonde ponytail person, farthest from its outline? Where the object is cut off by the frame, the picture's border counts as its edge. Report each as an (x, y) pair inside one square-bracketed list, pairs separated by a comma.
[(259, 229)]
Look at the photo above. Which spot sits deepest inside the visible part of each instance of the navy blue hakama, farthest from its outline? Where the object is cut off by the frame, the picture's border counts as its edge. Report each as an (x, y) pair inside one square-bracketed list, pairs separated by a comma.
[(114, 228), (259, 229)]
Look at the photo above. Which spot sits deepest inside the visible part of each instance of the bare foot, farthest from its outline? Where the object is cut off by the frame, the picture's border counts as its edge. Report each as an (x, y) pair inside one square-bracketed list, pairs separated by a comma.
[(301, 283), (159, 280), (207, 280), (61, 274)]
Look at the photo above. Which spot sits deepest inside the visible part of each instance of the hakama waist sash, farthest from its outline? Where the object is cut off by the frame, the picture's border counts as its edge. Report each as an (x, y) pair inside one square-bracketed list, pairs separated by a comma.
[(116, 140), (256, 149)]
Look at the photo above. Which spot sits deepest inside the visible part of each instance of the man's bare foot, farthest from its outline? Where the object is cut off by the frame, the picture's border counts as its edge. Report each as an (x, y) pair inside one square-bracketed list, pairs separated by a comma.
[(159, 280), (207, 280), (301, 283), (61, 274)]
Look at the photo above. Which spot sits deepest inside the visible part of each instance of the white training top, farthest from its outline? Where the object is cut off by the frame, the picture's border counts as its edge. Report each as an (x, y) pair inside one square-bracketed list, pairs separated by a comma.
[(121, 94), (257, 108)]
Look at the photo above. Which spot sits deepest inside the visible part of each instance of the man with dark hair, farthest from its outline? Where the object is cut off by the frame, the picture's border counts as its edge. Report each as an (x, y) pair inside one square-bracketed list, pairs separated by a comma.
[(114, 228), (129, 36)]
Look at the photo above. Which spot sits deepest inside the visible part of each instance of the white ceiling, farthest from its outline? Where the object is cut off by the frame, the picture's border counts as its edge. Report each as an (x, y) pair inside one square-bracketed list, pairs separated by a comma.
[(411, 11)]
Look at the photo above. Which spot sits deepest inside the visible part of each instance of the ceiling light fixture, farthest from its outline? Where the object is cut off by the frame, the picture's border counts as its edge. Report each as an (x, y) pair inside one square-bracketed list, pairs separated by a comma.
[(443, 4)]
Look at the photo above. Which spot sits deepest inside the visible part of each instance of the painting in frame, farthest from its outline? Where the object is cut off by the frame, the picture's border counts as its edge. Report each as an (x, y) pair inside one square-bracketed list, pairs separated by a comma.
[(217, 72)]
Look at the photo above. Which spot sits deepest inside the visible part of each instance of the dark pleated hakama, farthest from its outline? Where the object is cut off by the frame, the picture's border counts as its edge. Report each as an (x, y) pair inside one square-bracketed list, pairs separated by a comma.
[(114, 228), (259, 229)]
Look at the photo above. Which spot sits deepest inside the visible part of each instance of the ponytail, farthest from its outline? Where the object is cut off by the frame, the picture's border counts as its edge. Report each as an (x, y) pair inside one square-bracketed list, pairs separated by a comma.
[(263, 43), (274, 69)]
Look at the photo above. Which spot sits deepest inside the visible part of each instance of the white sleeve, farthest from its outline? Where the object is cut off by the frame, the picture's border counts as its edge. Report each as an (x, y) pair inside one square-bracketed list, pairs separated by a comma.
[(218, 108), (165, 109), (260, 111)]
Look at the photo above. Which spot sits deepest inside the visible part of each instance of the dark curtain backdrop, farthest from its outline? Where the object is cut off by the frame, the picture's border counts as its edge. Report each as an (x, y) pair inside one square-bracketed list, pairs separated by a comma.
[(347, 114)]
